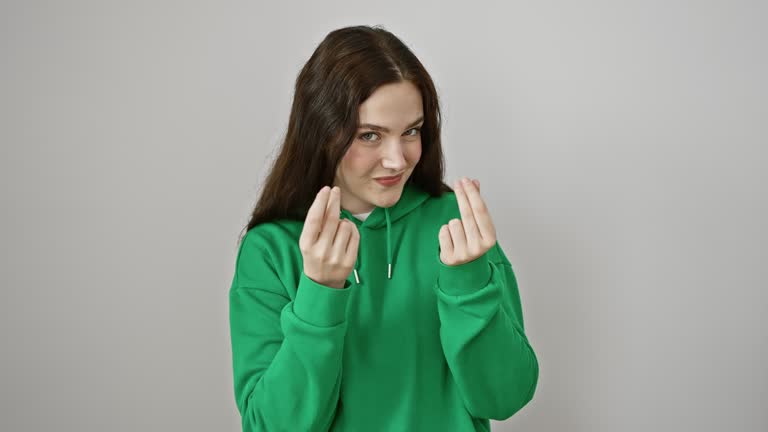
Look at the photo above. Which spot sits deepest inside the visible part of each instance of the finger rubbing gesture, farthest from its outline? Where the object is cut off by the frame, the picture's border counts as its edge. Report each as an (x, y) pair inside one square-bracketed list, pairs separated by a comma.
[(466, 239), (328, 243)]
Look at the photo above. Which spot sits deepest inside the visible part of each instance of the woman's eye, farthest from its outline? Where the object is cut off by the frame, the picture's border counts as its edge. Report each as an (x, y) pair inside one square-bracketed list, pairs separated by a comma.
[(362, 137), (417, 130)]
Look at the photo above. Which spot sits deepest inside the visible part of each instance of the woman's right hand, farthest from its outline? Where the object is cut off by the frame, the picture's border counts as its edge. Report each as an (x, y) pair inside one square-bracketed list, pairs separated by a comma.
[(328, 243)]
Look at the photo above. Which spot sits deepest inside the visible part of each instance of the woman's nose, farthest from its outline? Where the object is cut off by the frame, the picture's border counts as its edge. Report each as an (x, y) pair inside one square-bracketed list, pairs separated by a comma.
[(394, 158)]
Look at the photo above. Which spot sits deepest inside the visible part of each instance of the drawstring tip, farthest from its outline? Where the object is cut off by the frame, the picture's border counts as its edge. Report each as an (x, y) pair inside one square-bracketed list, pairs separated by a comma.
[(389, 271), (357, 279)]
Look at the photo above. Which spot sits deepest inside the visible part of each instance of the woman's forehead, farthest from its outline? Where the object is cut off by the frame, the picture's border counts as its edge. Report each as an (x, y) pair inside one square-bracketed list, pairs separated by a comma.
[(392, 105)]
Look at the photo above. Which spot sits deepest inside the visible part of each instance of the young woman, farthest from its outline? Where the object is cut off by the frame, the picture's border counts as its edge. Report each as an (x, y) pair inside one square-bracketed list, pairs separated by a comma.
[(368, 295)]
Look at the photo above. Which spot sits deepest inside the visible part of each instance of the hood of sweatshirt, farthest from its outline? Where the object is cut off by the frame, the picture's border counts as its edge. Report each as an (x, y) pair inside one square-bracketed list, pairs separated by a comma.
[(383, 218)]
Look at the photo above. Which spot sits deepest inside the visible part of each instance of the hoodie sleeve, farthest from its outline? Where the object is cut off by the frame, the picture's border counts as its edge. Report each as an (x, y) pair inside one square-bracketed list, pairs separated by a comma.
[(483, 335), (286, 354)]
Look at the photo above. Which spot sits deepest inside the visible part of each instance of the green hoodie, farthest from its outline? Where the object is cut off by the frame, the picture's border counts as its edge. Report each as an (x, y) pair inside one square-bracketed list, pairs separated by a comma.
[(409, 343)]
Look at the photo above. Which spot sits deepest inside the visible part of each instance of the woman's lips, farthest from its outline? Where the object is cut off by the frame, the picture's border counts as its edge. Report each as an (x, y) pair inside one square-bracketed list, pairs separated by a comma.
[(389, 181)]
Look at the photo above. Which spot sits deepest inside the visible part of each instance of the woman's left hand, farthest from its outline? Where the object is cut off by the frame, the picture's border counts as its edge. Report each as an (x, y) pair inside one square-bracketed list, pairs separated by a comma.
[(466, 239)]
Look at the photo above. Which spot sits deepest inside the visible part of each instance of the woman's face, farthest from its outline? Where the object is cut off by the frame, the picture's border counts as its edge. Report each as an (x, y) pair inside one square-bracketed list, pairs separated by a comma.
[(387, 143)]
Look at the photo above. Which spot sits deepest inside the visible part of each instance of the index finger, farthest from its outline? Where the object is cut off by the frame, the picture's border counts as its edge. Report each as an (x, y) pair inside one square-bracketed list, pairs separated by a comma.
[(480, 212), (334, 206), (315, 215)]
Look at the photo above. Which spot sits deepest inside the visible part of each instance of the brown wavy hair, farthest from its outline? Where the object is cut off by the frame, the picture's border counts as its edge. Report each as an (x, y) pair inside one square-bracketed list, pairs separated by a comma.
[(347, 66)]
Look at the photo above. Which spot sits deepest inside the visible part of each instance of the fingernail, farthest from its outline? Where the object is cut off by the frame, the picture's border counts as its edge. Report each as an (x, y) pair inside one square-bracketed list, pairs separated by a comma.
[(465, 180)]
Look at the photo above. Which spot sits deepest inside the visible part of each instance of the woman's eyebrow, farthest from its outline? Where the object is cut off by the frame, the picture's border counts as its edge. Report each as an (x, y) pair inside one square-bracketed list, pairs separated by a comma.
[(386, 130)]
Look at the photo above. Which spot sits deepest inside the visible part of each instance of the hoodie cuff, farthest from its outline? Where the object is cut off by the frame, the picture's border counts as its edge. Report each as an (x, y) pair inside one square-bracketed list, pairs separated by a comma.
[(319, 304), (464, 278)]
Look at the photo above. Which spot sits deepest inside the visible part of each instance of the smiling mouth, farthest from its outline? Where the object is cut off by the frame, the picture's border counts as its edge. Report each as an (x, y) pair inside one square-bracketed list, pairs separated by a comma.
[(388, 178)]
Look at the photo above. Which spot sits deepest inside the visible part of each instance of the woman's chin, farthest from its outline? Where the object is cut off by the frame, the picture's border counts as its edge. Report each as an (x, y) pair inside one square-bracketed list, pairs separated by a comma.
[(388, 198)]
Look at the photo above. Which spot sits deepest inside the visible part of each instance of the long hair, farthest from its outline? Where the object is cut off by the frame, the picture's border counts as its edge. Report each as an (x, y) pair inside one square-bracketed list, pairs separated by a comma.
[(343, 71)]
